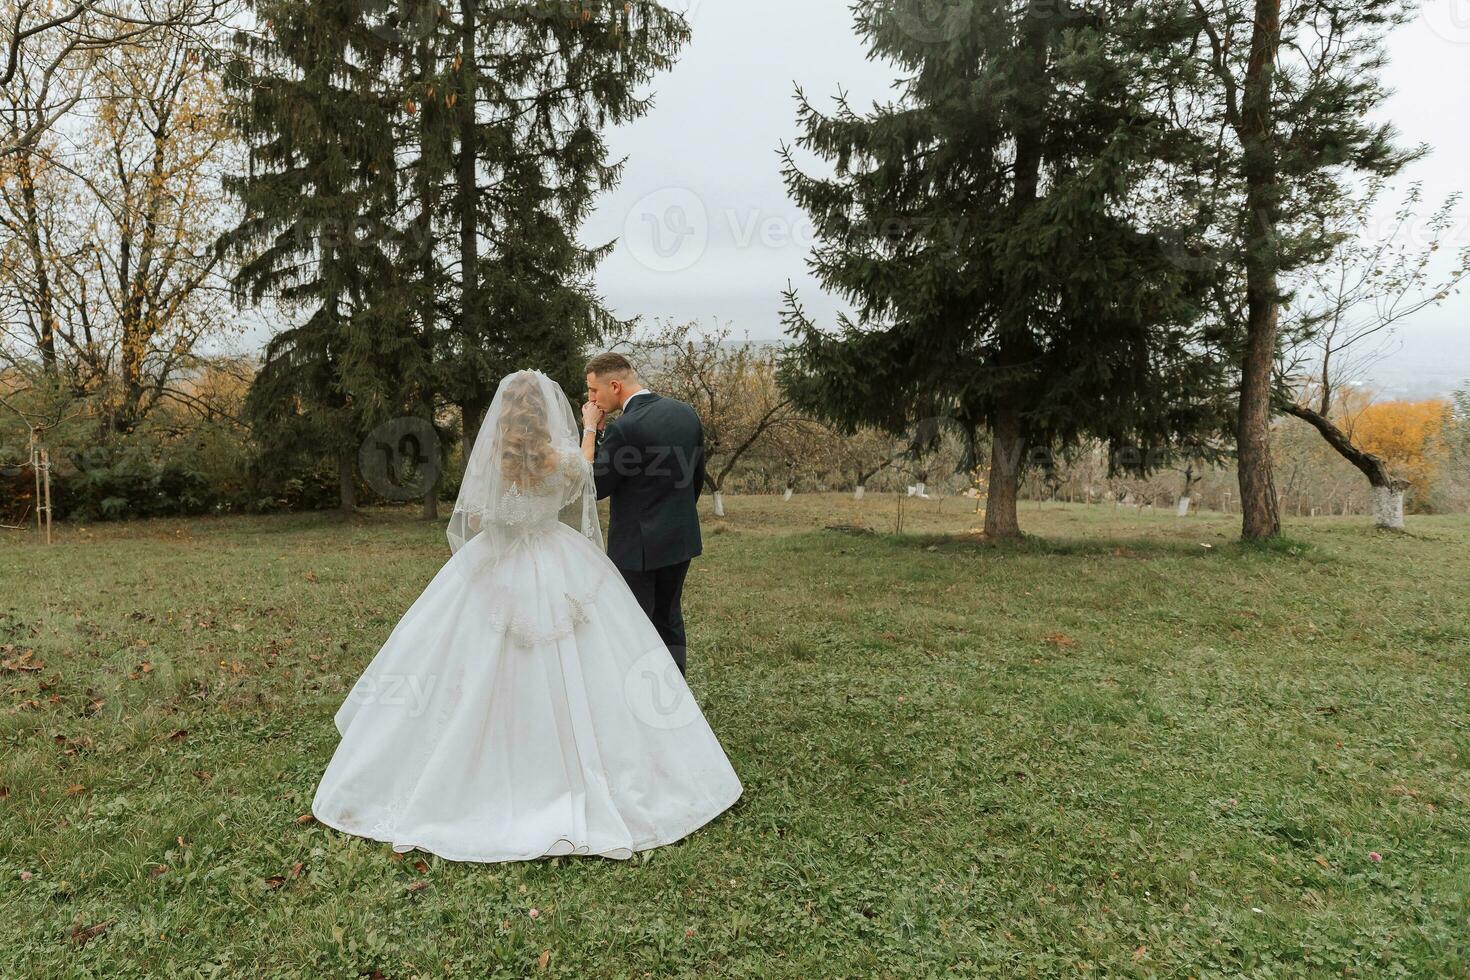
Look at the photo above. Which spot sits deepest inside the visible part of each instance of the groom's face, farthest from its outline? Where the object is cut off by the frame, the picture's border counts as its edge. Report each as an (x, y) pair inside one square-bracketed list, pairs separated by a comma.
[(606, 393)]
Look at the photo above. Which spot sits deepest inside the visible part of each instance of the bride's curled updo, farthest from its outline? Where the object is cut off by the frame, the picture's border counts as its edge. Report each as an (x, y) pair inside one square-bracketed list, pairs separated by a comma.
[(526, 454)]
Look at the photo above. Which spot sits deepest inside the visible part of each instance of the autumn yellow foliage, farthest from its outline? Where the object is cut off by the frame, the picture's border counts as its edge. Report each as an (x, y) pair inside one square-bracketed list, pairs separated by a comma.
[(1408, 436)]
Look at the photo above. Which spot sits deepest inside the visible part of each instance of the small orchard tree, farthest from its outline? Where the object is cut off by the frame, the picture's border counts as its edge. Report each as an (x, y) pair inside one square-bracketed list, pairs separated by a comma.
[(1343, 316), (864, 454), (732, 385)]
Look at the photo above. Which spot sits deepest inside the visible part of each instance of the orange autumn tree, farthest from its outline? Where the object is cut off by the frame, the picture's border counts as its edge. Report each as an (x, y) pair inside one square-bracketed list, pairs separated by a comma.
[(1408, 436)]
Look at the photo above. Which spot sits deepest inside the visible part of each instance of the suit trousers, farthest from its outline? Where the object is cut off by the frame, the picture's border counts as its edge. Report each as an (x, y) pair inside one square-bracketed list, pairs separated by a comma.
[(658, 591)]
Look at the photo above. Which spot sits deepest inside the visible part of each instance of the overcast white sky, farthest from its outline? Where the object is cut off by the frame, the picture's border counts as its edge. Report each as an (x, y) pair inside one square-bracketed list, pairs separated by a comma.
[(707, 233)]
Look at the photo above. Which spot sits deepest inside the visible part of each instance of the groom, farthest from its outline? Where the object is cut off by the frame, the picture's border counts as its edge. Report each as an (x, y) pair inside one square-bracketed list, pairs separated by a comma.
[(650, 461)]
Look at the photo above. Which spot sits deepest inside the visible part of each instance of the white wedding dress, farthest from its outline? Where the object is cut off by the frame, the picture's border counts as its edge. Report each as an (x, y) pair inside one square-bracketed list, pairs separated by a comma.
[(524, 706)]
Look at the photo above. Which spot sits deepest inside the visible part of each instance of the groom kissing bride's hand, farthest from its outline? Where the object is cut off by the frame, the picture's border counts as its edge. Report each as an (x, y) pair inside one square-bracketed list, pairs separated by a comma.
[(649, 465), (593, 417)]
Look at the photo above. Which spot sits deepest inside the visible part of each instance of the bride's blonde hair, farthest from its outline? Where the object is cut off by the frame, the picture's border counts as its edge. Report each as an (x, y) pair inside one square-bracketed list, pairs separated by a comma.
[(526, 455)]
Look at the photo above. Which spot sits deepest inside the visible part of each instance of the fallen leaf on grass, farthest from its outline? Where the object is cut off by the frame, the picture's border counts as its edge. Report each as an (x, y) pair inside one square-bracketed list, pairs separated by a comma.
[(297, 868), (421, 867), (1060, 640), (275, 881), (75, 789), (81, 935), (1320, 859), (417, 886), (305, 819), (25, 662), (543, 960)]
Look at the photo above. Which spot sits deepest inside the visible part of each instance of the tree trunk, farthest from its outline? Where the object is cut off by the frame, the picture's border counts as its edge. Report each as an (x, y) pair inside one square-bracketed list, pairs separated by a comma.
[(1260, 516), (1007, 444), (471, 407), (346, 483), (858, 493), (428, 195), (1001, 520), (471, 414), (45, 310), (719, 504)]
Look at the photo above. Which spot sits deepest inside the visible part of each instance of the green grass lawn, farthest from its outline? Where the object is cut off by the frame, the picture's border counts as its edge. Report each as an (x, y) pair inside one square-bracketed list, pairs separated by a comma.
[(1108, 750)]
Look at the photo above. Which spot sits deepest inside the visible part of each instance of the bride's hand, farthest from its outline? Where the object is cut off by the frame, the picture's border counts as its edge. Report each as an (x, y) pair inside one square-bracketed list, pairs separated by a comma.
[(592, 416)]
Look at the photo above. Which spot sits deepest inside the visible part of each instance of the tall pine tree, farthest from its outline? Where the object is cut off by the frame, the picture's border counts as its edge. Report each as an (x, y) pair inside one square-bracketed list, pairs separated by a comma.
[(483, 153), (317, 203), (534, 85), (997, 229)]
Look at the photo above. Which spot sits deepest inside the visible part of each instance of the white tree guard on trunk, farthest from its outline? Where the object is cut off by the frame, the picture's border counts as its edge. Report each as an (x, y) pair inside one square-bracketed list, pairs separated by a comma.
[(787, 494), (1388, 508), (1184, 503), (719, 504), (858, 493)]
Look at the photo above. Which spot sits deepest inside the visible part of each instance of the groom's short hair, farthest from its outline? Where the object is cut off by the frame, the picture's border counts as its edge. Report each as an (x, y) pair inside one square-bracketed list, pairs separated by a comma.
[(611, 366)]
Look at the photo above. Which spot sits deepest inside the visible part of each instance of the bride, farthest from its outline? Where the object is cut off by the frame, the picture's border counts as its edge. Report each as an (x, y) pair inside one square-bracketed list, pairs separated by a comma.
[(524, 706)]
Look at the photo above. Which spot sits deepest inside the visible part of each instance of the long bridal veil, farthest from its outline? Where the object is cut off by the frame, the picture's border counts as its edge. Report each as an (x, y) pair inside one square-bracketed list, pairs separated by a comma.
[(530, 435)]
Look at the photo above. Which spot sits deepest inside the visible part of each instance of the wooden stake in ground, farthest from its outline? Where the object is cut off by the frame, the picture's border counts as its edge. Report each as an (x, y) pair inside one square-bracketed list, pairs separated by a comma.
[(36, 469), (46, 480)]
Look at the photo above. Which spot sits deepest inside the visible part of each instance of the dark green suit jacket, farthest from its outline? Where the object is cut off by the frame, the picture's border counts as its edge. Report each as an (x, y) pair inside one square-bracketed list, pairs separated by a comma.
[(650, 462)]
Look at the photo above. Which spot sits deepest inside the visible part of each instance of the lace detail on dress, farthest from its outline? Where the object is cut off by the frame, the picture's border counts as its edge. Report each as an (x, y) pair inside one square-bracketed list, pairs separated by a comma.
[(521, 509)]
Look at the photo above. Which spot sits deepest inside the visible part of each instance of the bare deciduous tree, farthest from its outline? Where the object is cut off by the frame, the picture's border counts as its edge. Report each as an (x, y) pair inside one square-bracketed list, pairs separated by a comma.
[(732, 385), (109, 222), (47, 50)]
